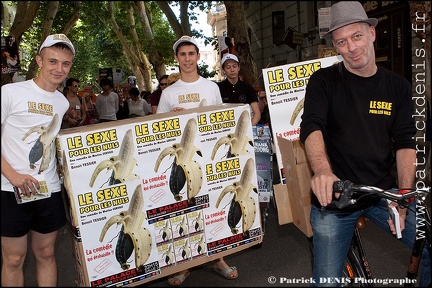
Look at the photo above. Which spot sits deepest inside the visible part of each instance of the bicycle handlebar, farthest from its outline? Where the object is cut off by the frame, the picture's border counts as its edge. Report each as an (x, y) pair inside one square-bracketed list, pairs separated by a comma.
[(348, 189)]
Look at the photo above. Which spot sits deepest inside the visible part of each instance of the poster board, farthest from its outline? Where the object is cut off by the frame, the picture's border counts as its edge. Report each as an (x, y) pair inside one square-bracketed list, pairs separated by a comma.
[(285, 88), (129, 224)]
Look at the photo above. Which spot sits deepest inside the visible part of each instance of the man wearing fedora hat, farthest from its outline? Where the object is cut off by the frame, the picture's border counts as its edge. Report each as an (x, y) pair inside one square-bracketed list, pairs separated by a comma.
[(357, 122)]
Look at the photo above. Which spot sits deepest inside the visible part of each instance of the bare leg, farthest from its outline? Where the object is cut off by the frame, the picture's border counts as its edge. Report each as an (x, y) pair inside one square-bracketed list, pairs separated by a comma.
[(178, 278), (46, 266), (14, 250)]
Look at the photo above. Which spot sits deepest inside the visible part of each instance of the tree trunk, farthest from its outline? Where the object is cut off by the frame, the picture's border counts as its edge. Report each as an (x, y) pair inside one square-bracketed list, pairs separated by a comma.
[(46, 30), (171, 17), (237, 29), (154, 57), (144, 76), (25, 13)]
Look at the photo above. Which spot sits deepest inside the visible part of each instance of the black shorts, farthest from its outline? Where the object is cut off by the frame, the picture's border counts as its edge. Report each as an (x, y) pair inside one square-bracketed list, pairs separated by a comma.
[(43, 216)]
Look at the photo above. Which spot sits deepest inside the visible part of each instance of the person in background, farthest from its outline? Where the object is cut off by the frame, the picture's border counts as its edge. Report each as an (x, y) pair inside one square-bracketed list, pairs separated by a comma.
[(36, 221), (348, 138), (12, 46), (146, 95), (234, 90), (76, 114), (65, 90), (12, 55), (11, 61), (125, 93), (107, 102), (92, 116), (187, 55), (172, 78), (155, 96), (137, 105), (123, 112)]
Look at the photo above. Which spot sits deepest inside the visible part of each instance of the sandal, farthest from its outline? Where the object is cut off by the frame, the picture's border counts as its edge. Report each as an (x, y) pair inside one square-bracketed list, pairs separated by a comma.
[(177, 279), (229, 273)]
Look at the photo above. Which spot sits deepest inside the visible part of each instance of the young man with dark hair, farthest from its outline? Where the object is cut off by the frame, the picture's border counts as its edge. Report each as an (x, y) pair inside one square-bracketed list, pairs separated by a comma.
[(207, 93), (107, 102), (234, 90), (187, 55)]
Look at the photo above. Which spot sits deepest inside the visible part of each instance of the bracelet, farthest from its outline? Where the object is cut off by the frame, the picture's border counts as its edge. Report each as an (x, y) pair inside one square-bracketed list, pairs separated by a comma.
[(404, 191)]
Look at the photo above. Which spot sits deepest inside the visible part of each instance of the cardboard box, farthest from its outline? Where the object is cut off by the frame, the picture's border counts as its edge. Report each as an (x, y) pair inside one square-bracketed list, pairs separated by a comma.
[(283, 204), (298, 176)]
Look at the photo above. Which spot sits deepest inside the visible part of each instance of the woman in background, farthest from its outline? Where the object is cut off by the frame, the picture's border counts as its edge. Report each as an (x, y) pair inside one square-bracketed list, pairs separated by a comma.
[(155, 97), (137, 105), (90, 108)]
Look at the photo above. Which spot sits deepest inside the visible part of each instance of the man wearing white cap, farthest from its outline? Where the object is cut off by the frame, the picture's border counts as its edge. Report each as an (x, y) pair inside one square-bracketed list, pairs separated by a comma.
[(234, 90), (348, 137), (31, 114), (191, 90)]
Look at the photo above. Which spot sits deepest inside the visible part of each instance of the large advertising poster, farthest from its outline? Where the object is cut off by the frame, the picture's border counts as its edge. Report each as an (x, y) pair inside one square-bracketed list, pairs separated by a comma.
[(151, 193), (285, 88)]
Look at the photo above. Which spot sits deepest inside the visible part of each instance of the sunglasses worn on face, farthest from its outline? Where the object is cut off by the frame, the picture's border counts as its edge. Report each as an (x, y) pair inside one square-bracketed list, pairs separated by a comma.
[(163, 84)]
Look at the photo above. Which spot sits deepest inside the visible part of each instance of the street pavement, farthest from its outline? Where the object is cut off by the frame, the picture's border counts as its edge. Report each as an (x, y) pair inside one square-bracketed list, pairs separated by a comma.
[(284, 254)]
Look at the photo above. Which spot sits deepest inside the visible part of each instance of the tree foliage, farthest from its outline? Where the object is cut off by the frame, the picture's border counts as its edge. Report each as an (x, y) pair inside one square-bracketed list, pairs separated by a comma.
[(134, 36)]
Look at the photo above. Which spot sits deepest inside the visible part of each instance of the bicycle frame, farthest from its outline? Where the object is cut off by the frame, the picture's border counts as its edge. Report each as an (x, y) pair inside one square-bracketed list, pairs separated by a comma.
[(359, 259), (423, 221)]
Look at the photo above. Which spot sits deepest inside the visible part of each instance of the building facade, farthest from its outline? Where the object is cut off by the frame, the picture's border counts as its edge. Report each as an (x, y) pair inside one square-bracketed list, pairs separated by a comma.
[(282, 32)]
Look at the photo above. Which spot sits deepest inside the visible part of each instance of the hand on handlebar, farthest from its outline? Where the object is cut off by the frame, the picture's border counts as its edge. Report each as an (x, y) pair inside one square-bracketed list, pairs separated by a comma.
[(322, 187)]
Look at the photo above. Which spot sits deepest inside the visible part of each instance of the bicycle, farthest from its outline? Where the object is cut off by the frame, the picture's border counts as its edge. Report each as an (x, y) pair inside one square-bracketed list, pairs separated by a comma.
[(357, 265)]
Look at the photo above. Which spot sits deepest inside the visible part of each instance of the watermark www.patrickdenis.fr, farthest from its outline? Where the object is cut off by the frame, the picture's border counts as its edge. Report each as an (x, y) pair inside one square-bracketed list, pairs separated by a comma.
[(336, 280)]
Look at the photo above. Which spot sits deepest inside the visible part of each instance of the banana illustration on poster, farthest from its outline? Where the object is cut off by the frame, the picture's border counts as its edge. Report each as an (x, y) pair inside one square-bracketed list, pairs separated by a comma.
[(285, 88)]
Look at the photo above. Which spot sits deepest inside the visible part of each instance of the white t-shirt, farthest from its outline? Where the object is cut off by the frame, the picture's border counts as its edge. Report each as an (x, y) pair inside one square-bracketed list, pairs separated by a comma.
[(31, 118), (138, 107), (107, 106), (189, 95)]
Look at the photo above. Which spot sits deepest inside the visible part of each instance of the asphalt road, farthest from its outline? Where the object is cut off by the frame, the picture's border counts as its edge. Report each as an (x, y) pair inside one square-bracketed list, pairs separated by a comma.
[(284, 254)]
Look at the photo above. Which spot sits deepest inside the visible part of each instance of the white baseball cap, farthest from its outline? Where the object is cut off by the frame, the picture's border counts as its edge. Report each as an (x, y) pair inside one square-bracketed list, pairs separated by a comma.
[(228, 56), (57, 38), (184, 39)]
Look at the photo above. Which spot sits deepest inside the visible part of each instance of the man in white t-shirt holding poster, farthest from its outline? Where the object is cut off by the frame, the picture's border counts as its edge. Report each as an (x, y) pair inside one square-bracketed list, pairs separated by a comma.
[(191, 91)]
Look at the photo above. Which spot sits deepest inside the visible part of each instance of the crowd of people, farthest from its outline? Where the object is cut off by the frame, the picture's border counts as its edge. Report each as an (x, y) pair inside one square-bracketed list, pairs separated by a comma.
[(110, 104), (336, 127)]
